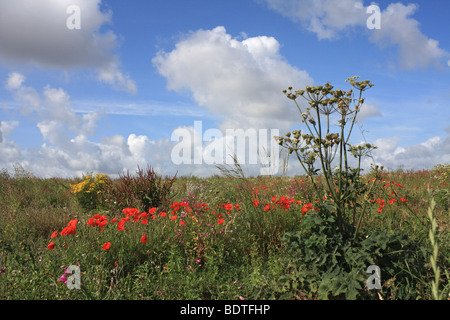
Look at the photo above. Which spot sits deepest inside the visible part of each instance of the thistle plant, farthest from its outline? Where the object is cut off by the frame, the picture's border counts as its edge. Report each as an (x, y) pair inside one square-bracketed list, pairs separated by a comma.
[(319, 144)]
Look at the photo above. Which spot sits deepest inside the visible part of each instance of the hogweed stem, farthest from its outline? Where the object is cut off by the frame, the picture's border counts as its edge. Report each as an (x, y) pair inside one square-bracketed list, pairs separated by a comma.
[(435, 247)]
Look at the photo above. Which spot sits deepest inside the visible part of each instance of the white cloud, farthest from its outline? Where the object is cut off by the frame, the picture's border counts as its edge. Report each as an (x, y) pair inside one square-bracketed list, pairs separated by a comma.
[(57, 106), (67, 150), (240, 80), (66, 156), (326, 18), (422, 155), (27, 97), (9, 150), (368, 111), (14, 81), (416, 50), (329, 19), (7, 127), (111, 74), (40, 37), (53, 107)]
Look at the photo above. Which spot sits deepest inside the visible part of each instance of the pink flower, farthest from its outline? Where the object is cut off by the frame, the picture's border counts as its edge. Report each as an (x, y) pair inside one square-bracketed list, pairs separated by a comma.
[(63, 278), (67, 271)]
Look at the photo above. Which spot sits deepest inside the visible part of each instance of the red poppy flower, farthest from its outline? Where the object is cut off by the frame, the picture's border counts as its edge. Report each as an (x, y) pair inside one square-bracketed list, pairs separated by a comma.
[(106, 246), (73, 223), (130, 211), (220, 221), (67, 230), (121, 225), (175, 206), (91, 222), (306, 207), (228, 206), (51, 245), (54, 234), (102, 223), (144, 221), (144, 238)]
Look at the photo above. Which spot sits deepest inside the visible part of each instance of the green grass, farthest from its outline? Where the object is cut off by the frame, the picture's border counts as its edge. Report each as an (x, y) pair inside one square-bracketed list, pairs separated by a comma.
[(252, 255)]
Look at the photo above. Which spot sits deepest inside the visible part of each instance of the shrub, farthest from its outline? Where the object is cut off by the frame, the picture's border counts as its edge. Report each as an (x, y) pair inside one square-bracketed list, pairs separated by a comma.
[(88, 191), (442, 172), (145, 190)]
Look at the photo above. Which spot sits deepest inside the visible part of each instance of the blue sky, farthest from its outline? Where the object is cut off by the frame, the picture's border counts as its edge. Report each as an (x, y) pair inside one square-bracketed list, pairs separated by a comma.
[(108, 96)]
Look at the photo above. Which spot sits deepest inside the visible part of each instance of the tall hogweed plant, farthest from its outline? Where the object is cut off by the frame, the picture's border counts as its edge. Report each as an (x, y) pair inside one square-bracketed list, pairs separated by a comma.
[(318, 143), (329, 248)]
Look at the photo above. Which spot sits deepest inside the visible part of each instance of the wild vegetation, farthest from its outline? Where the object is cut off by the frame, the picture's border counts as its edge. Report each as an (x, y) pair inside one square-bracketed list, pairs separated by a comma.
[(313, 236)]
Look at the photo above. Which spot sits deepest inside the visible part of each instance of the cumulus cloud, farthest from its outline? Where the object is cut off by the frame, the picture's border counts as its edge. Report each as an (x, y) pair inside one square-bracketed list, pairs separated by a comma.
[(368, 111), (110, 73), (6, 128), (240, 80), (41, 37), (67, 150), (53, 107), (326, 18), (9, 150), (423, 155), (392, 154), (330, 19), (416, 50), (14, 81)]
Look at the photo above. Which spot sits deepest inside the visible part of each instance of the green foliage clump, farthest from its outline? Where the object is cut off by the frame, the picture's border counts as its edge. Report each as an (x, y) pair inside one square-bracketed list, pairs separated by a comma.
[(332, 265)]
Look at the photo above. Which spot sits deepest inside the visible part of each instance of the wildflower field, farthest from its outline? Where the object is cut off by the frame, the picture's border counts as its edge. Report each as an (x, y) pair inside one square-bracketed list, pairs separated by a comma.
[(312, 236), (219, 238)]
